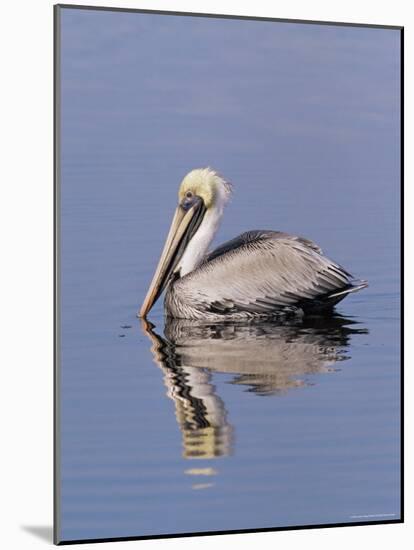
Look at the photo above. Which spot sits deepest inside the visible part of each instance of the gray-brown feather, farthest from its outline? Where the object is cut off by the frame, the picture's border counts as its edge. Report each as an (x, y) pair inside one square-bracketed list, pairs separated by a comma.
[(260, 273)]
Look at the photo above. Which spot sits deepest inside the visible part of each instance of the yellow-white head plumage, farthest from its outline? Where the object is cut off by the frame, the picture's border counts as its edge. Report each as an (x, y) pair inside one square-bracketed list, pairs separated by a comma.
[(207, 184)]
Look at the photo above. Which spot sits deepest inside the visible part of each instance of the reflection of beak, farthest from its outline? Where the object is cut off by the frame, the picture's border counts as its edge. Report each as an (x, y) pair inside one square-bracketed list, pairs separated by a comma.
[(158, 343), (185, 223)]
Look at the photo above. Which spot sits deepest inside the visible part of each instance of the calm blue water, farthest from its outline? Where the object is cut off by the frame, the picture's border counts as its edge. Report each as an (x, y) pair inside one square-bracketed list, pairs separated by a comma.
[(182, 428)]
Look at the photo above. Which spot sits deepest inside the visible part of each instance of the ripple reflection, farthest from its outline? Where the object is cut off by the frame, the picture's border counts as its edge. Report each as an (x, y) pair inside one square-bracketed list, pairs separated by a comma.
[(266, 358)]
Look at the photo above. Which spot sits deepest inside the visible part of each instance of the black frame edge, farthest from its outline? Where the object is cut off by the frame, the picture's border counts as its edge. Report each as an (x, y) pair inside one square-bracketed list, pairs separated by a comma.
[(402, 280), (56, 273), (227, 16), (233, 532)]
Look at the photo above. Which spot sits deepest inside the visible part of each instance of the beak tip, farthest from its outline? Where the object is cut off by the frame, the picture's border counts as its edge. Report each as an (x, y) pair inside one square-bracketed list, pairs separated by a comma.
[(142, 313)]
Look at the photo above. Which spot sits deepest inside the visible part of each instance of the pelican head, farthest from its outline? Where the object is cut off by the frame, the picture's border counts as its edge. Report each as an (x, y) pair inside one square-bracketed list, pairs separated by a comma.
[(207, 184), (202, 195)]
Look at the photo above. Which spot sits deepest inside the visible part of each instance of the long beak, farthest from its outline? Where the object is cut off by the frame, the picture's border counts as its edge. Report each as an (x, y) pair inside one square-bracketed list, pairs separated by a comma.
[(184, 225)]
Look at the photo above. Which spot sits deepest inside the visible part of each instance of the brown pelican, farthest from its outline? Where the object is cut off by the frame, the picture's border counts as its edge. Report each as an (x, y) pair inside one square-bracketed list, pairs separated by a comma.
[(257, 274)]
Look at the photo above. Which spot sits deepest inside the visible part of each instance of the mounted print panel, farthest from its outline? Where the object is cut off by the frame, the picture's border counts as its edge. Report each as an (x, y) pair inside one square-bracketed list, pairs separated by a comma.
[(228, 274)]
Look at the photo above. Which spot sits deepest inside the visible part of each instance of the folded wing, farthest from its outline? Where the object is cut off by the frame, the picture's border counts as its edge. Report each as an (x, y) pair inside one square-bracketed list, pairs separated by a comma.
[(264, 271)]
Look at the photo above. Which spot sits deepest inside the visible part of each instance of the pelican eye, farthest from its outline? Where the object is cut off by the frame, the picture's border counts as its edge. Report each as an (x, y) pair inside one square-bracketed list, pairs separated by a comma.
[(189, 200)]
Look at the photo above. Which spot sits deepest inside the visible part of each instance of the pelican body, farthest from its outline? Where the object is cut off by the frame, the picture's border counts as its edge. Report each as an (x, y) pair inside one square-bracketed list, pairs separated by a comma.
[(259, 274)]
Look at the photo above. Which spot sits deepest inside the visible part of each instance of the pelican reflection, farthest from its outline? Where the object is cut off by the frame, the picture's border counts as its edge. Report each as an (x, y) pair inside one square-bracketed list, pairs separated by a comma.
[(265, 357)]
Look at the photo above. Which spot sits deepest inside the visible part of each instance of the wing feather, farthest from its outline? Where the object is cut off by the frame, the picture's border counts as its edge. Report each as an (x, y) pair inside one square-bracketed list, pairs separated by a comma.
[(261, 271)]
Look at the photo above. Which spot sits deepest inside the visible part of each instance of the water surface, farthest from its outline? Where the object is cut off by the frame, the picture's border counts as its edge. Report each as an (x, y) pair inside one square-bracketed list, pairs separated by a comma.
[(180, 427)]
